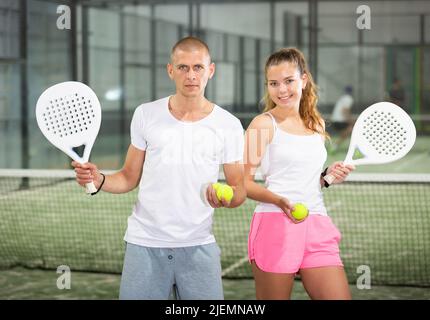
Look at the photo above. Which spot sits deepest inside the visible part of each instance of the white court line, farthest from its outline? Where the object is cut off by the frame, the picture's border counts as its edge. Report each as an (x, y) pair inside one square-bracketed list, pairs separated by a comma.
[(234, 266)]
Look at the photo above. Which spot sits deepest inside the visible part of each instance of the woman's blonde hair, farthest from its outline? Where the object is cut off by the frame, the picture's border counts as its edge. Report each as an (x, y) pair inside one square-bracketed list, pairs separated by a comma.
[(308, 103)]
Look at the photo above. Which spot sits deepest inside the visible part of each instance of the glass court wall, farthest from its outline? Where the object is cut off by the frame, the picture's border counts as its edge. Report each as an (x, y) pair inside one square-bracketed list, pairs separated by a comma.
[(121, 48)]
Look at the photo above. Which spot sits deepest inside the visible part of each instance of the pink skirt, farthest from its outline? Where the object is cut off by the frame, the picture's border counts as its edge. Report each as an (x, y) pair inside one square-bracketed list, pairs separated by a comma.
[(278, 245)]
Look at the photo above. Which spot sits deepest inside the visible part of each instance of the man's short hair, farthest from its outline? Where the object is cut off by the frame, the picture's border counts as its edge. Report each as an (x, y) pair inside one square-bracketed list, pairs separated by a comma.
[(189, 43)]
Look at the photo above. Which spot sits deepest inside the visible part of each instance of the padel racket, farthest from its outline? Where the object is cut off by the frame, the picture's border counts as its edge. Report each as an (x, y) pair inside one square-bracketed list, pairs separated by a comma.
[(69, 116), (382, 133)]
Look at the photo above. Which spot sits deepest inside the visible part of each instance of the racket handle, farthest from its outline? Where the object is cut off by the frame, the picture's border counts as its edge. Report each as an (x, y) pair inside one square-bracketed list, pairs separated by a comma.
[(329, 178), (90, 188)]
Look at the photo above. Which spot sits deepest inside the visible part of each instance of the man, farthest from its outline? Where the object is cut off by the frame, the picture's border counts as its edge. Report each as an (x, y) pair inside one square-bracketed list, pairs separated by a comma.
[(342, 117), (177, 145)]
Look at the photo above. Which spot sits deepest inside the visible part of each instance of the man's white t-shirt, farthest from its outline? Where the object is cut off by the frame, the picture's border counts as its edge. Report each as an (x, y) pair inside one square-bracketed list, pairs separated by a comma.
[(344, 102), (181, 159)]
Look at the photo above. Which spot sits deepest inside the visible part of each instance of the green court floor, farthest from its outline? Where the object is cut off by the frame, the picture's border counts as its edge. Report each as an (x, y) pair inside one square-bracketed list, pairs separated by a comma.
[(20, 283)]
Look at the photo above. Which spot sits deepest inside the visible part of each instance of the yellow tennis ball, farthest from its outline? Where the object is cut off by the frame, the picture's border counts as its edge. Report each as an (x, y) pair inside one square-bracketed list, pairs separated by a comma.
[(300, 211), (216, 185), (226, 192), (223, 191)]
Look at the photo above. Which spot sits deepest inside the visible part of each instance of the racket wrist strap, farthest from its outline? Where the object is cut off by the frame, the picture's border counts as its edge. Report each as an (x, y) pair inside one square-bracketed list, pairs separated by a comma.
[(323, 174), (101, 185)]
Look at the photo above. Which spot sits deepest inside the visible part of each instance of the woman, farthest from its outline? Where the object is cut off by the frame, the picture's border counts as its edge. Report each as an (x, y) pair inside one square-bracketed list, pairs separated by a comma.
[(287, 142)]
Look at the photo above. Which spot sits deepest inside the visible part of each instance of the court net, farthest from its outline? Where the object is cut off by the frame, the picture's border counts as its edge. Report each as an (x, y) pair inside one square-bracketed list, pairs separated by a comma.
[(48, 221)]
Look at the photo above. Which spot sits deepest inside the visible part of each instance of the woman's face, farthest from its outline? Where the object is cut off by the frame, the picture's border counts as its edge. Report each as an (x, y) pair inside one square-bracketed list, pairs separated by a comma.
[(285, 84)]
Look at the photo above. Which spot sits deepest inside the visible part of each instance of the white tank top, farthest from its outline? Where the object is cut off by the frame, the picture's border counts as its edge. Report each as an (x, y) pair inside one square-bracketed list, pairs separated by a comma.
[(291, 168)]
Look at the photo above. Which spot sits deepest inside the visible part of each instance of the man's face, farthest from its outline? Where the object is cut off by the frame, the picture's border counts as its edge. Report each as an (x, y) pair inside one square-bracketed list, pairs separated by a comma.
[(191, 71)]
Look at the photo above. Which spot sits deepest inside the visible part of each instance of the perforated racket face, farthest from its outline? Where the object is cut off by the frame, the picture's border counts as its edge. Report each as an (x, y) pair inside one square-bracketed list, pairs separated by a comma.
[(69, 115), (383, 133)]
